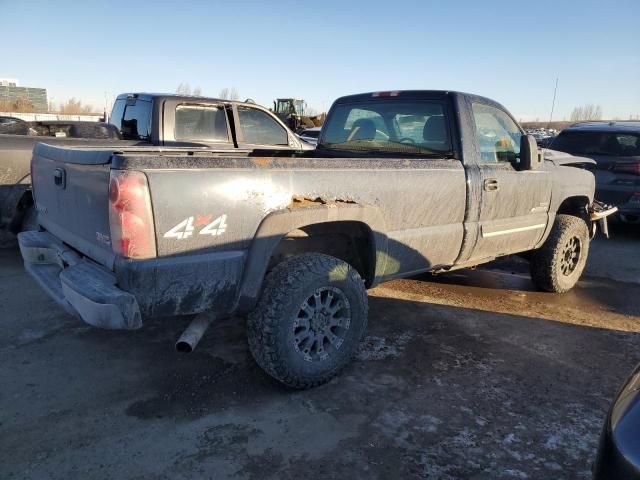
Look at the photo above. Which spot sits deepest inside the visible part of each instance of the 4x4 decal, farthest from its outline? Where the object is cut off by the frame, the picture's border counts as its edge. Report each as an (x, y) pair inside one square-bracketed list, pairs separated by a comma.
[(186, 227)]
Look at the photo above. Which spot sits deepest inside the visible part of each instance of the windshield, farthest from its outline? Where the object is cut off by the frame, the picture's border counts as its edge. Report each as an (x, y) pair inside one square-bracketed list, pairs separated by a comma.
[(389, 127), (598, 143)]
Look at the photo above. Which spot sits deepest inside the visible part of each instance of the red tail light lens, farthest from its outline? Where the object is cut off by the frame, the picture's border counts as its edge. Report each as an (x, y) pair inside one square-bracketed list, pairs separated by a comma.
[(132, 231), (629, 168)]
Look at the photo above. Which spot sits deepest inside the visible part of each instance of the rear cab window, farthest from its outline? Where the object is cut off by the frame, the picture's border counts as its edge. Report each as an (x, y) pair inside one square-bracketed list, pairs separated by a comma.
[(201, 123), (132, 117), (398, 127), (117, 112)]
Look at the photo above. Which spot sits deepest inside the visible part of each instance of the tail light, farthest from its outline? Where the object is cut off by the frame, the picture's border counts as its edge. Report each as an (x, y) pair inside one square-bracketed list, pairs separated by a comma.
[(629, 168), (132, 232)]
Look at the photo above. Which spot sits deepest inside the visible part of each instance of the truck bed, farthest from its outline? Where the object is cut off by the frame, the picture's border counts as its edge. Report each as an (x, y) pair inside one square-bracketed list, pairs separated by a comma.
[(255, 200)]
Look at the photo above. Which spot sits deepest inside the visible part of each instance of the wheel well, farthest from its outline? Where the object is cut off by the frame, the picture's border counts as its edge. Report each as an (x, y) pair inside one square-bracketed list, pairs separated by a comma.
[(576, 206), (349, 241)]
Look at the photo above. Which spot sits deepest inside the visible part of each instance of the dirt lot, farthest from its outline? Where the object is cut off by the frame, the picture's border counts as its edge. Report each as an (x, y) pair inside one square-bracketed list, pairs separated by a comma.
[(470, 375)]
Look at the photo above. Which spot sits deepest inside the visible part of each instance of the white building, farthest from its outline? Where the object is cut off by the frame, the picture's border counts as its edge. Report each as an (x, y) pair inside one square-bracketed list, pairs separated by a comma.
[(9, 82)]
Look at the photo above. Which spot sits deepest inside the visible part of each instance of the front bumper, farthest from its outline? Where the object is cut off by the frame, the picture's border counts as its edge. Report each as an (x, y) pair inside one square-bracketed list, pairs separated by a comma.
[(81, 287)]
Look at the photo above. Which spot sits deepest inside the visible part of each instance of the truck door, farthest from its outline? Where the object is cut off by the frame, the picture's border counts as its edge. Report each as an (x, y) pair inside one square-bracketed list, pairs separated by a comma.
[(514, 204)]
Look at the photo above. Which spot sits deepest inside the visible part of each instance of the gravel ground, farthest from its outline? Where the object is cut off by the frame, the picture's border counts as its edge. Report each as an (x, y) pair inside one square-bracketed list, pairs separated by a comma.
[(471, 375)]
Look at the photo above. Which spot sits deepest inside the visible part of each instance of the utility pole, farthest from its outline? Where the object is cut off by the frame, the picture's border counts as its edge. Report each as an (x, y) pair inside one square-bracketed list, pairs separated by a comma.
[(553, 103)]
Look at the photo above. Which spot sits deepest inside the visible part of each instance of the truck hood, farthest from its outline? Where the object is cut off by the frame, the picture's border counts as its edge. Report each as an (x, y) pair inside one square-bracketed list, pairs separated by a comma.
[(566, 159)]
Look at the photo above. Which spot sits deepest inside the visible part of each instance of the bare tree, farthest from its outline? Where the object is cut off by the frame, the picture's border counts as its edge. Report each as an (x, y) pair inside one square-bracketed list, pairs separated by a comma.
[(74, 107), (229, 94), (184, 89), (20, 104), (586, 112)]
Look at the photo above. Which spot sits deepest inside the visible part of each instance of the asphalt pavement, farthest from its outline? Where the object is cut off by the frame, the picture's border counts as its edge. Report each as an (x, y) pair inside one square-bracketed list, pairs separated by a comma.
[(471, 375)]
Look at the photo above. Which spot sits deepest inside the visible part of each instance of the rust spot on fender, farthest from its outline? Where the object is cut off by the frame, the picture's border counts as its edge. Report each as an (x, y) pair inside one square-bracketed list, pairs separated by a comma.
[(300, 202)]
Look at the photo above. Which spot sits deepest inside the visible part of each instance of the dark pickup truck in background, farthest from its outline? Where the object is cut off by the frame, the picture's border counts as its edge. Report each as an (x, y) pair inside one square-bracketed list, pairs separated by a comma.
[(137, 119), (401, 183)]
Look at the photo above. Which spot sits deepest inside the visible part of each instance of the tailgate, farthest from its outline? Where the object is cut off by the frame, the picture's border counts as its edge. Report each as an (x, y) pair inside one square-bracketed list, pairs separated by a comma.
[(71, 192)]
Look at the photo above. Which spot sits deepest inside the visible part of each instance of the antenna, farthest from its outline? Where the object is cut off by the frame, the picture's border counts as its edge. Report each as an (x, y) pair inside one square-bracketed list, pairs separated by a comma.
[(553, 103)]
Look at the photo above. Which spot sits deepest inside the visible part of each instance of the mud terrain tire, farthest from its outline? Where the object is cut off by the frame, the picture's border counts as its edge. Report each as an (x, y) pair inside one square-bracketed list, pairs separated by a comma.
[(309, 320), (558, 264)]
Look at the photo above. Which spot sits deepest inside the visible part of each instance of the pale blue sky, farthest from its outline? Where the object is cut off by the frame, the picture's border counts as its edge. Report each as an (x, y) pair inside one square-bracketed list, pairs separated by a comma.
[(511, 51)]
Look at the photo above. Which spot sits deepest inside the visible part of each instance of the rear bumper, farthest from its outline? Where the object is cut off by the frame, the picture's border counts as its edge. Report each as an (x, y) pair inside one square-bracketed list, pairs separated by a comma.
[(136, 289), (81, 287)]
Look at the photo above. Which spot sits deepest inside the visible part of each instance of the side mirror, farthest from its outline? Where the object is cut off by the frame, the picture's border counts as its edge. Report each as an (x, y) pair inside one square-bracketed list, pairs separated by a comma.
[(530, 157)]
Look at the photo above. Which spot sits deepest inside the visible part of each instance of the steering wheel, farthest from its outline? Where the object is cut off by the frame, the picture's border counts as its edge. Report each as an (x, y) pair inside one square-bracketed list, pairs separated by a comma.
[(407, 140)]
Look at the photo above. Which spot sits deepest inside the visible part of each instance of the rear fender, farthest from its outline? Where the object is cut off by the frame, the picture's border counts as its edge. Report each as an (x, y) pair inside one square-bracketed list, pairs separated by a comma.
[(278, 224)]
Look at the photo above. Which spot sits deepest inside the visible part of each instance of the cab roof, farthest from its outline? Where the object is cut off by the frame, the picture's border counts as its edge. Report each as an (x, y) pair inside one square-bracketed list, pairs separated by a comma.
[(408, 95), (175, 96)]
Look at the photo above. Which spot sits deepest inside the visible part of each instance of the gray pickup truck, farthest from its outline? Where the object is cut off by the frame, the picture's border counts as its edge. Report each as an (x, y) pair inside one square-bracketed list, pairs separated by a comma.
[(139, 119), (401, 183)]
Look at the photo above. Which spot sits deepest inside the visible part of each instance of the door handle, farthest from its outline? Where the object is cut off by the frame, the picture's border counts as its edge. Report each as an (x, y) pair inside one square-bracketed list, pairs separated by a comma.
[(491, 185), (60, 177)]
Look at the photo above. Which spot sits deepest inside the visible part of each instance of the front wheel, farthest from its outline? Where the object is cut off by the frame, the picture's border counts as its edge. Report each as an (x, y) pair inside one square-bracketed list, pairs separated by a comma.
[(309, 320), (558, 264)]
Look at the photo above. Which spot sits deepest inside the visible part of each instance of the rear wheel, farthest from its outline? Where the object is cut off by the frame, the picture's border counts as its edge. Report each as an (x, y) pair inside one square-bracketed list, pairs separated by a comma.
[(558, 264), (309, 320)]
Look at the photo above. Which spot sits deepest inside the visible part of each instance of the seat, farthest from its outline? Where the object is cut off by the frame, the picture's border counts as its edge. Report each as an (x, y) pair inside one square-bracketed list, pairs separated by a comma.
[(434, 133), (362, 129)]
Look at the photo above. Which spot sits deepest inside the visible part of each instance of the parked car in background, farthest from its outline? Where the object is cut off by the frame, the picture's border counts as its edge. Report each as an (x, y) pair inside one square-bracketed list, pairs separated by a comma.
[(544, 136), (544, 142), (310, 135), (74, 129), (14, 126), (615, 147), (619, 450)]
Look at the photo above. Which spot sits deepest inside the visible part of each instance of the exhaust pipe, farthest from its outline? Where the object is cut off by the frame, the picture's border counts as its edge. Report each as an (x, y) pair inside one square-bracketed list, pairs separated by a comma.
[(193, 333)]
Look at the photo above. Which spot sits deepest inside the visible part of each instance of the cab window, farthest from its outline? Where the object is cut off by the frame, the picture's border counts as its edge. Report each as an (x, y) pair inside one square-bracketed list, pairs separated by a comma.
[(259, 128), (198, 122), (394, 127), (117, 111), (497, 134)]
